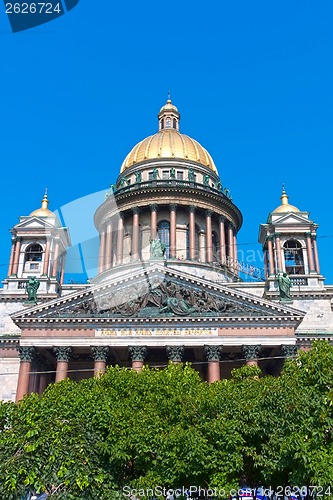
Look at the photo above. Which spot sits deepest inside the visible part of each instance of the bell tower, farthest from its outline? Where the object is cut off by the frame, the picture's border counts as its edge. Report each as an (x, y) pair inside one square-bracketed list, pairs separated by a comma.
[(289, 245), (39, 245)]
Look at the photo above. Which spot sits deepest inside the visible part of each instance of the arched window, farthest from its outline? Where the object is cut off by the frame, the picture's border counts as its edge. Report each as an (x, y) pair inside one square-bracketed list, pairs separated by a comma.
[(168, 122), (175, 123), (197, 249), (34, 253), (163, 231), (293, 257)]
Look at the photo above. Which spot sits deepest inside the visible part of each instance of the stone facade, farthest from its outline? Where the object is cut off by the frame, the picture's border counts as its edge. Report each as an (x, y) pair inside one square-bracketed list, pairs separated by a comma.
[(169, 285)]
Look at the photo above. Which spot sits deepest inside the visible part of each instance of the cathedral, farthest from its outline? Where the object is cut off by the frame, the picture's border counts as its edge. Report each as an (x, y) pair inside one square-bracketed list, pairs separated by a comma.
[(169, 287)]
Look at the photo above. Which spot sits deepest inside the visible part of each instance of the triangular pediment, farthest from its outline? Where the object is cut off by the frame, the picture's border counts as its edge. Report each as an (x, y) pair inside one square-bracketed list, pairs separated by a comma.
[(35, 223), (156, 292), (292, 218)]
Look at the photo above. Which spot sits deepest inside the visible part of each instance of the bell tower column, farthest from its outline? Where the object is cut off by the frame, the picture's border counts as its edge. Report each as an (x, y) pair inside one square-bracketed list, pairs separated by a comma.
[(310, 253), (270, 255), (315, 251), (16, 256), (278, 252), (11, 260)]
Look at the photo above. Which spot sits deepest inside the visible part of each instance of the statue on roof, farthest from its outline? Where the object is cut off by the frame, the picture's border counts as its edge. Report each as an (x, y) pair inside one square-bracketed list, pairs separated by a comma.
[(138, 176), (206, 180), (31, 288), (284, 283), (191, 175)]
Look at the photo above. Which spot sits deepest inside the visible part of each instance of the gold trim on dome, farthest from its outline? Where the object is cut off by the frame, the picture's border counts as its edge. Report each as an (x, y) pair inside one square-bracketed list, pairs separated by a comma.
[(169, 143)]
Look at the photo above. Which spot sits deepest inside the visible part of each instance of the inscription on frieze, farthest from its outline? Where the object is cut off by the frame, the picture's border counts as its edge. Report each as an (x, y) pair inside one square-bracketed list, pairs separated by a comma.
[(155, 332)]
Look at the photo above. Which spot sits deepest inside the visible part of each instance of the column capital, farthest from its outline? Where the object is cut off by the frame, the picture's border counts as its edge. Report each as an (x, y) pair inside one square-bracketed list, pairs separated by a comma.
[(135, 210), (175, 353), (222, 218), (308, 234), (289, 351), (208, 213), (137, 353), (230, 225), (62, 353), (153, 207), (192, 209), (313, 236), (251, 352), (213, 352), (26, 353), (173, 207), (121, 215), (277, 235), (100, 353), (270, 238)]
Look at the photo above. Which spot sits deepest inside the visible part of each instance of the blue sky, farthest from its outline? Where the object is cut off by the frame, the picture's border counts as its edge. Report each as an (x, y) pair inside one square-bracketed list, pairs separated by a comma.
[(253, 82)]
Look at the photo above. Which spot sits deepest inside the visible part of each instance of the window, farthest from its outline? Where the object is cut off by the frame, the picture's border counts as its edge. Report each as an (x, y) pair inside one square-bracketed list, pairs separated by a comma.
[(34, 253), (34, 265), (163, 231), (165, 174), (180, 175), (293, 257), (151, 176), (168, 122), (175, 123)]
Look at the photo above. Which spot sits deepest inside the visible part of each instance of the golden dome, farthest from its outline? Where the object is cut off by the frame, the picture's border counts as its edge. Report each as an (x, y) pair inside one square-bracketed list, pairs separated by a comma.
[(169, 107), (168, 143), (285, 207), (43, 211)]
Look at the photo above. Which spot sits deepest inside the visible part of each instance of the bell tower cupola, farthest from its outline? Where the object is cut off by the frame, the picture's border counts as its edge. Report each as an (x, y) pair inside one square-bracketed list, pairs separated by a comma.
[(289, 240), (39, 246)]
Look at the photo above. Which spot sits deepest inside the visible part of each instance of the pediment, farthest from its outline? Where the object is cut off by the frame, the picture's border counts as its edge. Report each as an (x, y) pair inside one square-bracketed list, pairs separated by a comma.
[(156, 292), (34, 223), (292, 218)]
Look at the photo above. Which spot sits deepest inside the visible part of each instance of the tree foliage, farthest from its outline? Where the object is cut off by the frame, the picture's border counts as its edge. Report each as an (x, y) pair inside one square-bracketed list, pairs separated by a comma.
[(168, 428)]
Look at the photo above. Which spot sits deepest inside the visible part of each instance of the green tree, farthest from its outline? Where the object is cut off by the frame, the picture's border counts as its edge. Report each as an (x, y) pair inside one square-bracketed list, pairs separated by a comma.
[(169, 428)]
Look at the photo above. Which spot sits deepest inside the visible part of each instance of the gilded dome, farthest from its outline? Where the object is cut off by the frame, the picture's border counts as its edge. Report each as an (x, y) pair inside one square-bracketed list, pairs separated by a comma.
[(285, 207), (169, 107), (168, 143), (43, 211)]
